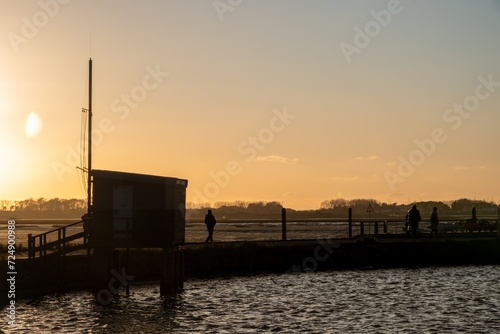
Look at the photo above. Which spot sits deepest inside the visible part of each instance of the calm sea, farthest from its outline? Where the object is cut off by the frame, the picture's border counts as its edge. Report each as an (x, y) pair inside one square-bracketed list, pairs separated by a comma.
[(424, 300)]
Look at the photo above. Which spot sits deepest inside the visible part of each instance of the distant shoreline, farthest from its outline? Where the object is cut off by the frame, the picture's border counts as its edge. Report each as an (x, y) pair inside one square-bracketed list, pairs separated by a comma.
[(23, 221)]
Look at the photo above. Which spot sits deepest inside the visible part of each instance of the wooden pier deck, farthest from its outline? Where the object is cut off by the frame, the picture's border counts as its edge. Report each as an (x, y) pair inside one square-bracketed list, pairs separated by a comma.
[(58, 260)]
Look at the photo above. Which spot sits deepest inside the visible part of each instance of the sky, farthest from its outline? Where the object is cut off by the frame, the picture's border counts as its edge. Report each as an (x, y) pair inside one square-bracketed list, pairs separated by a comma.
[(289, 101)]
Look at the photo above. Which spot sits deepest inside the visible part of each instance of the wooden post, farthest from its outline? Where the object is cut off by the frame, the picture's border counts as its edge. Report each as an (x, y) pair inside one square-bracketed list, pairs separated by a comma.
[(385, 226), (102, 264), (167, 272), (59, 241), (498, 222), (175, 270), (376, 228), (362, 228), (44, 244), (350, 222), (181, 269), (127, 268), (64, 240), (283, 224), (62, 275), (30, 247)]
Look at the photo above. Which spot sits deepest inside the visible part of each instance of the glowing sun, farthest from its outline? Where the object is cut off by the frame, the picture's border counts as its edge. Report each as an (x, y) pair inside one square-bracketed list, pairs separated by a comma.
[(34, 125)]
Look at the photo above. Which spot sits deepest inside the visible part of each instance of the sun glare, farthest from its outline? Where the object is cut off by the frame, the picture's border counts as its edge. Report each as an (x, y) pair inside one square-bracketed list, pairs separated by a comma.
[(34, 125)]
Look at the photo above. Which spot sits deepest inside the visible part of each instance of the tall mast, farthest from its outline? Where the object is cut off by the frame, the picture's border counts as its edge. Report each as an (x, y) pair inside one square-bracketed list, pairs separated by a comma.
[(89, 165)]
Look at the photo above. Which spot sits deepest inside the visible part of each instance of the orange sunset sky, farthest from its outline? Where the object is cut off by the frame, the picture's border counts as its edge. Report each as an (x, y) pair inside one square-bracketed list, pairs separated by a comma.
[(290, 101)]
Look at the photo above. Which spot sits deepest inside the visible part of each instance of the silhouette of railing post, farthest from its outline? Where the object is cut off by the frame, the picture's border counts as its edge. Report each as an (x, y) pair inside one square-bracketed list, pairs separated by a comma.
[(31, 245), (350, 222), (64, 240), (376, 228), (44, 242), (283, 224), (41, 245), (362, 228), (498, 222)]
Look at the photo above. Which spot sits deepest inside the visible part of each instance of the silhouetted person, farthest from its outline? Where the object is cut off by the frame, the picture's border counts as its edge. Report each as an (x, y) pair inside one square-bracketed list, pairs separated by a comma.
[(413, 219), (434, 221), (210, 222), (474, 216)]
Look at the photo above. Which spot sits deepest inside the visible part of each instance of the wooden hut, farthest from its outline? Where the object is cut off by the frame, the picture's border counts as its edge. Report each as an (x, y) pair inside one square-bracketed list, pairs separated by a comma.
[(136, 210)]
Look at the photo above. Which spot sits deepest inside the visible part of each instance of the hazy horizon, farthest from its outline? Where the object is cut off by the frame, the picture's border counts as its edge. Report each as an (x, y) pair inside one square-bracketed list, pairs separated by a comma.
[(357, 202), (286, 101)]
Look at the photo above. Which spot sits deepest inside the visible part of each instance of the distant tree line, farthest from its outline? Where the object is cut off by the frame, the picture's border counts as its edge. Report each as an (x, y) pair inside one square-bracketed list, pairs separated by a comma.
[(338, 208), (460, 207), (334, 208), (43, 208), (236, 210)]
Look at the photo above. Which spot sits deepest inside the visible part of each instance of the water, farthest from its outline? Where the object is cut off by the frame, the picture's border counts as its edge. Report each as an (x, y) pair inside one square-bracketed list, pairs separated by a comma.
[(425, 300)]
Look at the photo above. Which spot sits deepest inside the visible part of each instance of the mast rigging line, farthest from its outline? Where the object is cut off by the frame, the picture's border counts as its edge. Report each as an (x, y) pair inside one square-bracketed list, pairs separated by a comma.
[(83, 149), (86, 143)]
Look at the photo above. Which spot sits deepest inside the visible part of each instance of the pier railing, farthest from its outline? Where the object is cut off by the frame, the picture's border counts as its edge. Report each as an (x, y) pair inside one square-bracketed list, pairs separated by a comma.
[(73, 237), (57, 241), (334, 228)]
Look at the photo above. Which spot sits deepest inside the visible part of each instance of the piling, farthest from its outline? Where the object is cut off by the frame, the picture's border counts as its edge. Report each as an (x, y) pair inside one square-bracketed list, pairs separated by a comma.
[(31, 246), (180, 283), (127, 268), (171, 271), (350, 222), (166, 274), (283, 224), (102, 263), (498, 222)]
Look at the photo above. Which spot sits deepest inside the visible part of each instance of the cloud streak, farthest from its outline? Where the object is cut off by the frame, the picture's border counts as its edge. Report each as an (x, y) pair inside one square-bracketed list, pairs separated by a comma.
[(370, 158), (277, 158)]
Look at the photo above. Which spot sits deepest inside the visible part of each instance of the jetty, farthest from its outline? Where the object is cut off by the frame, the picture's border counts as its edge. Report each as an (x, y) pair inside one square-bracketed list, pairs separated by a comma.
[(67, 261)]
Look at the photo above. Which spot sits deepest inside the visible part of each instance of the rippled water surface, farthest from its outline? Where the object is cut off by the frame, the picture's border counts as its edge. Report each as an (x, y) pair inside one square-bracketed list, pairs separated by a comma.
[(424, 300)]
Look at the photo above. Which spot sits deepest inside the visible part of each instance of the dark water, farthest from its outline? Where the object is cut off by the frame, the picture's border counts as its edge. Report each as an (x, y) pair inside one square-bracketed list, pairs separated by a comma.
[(425, 300)]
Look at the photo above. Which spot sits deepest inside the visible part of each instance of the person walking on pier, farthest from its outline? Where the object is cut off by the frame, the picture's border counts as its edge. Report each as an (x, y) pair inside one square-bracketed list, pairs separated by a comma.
[(210, 222), (407, 223), (434, 222), (414, 218)]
